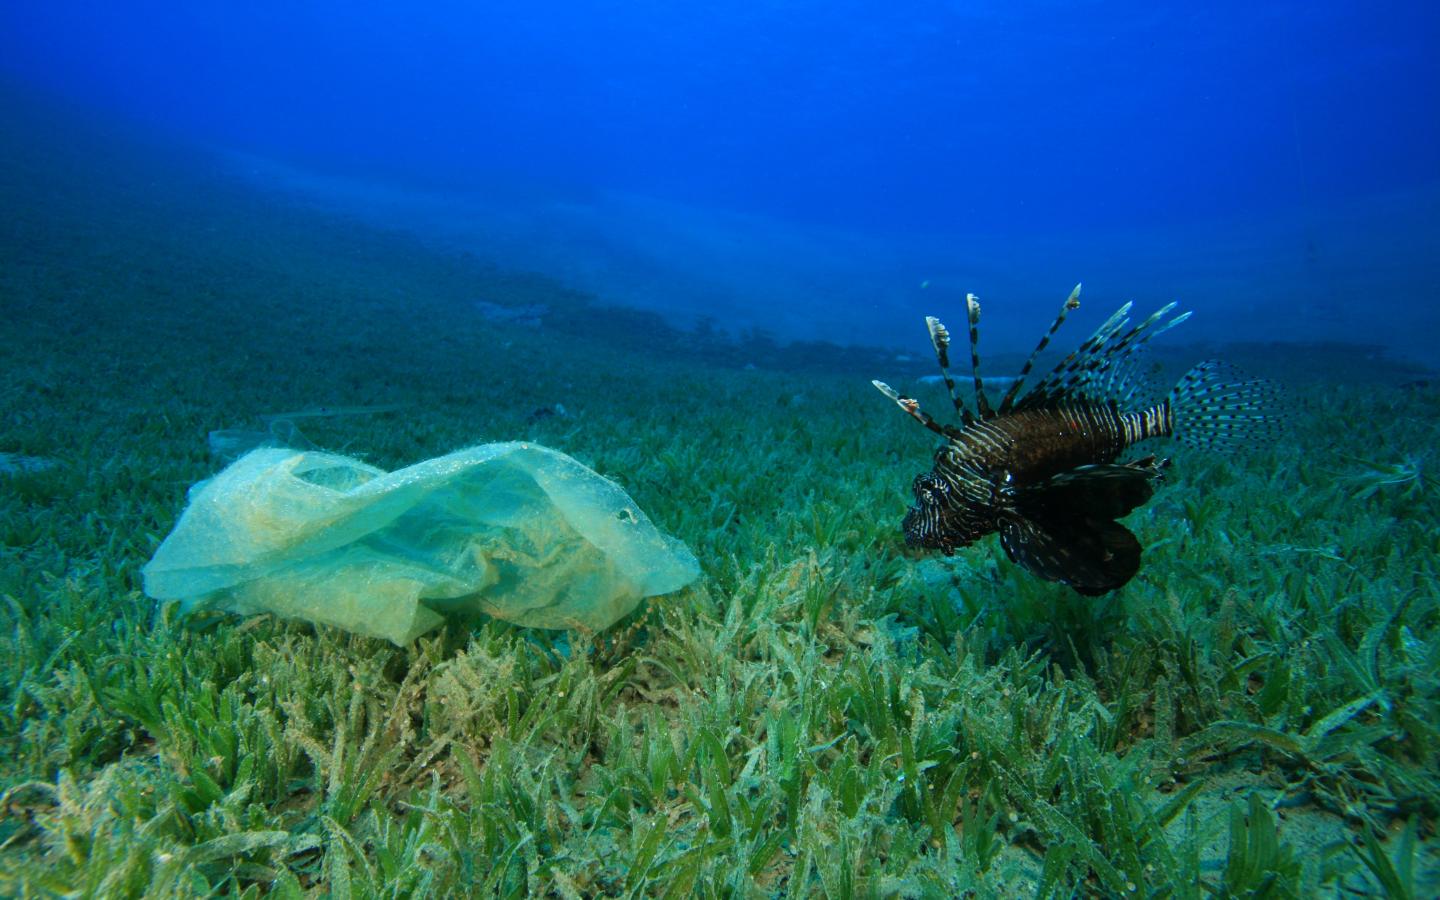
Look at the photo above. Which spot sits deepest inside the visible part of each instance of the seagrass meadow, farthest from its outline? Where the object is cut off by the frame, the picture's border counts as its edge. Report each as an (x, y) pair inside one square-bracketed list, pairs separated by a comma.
[(822, 714)]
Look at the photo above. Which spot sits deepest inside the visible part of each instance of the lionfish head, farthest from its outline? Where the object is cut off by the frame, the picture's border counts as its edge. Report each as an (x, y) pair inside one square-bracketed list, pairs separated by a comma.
[(936, 521)]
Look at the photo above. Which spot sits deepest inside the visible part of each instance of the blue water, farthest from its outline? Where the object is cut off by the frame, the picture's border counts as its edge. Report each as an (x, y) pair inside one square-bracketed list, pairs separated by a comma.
[(828, 169)]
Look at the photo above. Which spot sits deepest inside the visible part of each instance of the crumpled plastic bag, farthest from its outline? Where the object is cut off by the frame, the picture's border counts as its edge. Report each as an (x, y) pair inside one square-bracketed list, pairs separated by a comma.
[(516, 530)]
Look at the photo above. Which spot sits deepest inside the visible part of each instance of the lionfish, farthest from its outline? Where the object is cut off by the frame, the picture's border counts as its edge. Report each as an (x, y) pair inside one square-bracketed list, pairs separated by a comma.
[(1043, 468)]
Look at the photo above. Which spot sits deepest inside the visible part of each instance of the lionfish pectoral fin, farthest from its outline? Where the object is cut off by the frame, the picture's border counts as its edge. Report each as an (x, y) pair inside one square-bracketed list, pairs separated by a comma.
[(1104, 491), (1093, 556)]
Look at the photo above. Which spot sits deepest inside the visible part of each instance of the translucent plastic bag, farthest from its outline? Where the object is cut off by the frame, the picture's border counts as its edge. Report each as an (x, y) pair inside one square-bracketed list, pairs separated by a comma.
[(516, 530)]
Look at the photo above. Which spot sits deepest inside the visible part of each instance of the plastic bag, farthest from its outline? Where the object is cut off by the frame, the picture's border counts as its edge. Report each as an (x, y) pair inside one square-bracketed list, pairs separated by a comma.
[(516, 530)]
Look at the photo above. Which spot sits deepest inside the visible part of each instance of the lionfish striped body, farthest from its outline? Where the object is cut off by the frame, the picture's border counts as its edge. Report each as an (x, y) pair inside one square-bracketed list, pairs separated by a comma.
[(1043, 467)]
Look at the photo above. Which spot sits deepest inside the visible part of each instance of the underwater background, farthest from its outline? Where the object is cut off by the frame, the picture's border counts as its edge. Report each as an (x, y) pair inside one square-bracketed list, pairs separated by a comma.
[(676, 242)]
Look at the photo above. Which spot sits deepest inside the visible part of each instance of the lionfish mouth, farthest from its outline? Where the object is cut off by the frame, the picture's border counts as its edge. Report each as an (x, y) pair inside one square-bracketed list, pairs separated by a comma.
[(914, 527), (922, 530)]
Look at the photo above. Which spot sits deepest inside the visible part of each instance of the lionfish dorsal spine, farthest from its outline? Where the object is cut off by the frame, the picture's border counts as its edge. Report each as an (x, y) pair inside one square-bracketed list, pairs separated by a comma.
[(940, 340), (1118, 381), (912, 408), (972, 313), (1061, 381), (1071, 302), (1109, 372)]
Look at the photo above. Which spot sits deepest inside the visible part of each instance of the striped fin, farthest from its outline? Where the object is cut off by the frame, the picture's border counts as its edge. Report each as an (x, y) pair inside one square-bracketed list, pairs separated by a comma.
[(972, 310), (1092, 555), (1047, 392), (912, 408), (940, 340), (1106, 371), (1104, 367), (1072, 302), (1217, 407), (1103, 490), (1117, 379)]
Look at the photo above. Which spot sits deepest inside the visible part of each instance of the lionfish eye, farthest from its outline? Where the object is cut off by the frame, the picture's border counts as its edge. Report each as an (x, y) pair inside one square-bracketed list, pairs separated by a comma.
[(928, 488)]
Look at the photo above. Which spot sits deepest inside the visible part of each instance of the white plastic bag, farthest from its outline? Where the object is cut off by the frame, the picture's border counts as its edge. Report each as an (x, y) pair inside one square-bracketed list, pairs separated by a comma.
[(516, 530)]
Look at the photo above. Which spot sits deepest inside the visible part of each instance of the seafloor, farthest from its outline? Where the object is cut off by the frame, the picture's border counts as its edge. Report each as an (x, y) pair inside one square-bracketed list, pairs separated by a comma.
[(823, 714)]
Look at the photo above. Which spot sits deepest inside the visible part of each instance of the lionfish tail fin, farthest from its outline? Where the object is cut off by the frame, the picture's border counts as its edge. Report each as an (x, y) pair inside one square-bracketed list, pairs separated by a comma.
[(1217, 407)]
